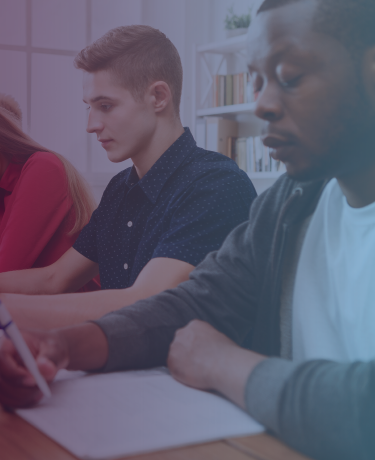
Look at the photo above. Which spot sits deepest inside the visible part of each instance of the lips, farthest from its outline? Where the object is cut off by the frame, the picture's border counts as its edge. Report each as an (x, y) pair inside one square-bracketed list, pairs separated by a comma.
[(104, 141), (274, 142), (280, 146)]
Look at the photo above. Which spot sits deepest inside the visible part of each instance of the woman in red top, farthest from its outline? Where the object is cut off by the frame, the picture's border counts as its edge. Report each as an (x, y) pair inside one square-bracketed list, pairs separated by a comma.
[(44, 202)]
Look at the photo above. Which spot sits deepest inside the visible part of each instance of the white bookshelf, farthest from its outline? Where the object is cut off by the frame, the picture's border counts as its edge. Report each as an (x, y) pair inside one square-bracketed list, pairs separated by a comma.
[(226, 109), (264, 175), (225, 56), (230, 45)]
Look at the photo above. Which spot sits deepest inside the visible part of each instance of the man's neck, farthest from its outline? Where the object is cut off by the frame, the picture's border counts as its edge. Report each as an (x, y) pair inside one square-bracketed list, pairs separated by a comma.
[(359, 188), (165, 134)]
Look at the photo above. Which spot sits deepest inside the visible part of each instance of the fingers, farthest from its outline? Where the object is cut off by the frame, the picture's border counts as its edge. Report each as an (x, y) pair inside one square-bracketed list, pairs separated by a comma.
[(54, 350), (196, 353), (17, 386), (47, 368), (10, 365)]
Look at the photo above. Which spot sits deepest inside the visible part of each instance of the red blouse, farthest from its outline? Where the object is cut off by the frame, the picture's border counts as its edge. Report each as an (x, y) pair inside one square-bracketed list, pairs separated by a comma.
[(36, 213)]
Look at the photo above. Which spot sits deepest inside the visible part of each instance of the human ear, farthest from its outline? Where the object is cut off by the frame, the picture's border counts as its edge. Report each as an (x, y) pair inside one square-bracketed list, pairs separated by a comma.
[(369, 74), (161, 95)]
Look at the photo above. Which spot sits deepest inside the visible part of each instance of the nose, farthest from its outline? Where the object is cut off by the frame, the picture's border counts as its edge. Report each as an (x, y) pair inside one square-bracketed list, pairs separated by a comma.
[(94, 124), (268, 105)]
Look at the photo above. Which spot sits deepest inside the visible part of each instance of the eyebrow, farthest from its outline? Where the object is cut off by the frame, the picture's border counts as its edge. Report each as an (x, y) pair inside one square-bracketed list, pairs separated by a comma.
[(99, 98), (279, 54)]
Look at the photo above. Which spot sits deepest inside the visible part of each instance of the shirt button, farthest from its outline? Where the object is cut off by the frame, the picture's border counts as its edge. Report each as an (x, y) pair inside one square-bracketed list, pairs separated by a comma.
[(126, 266), (130, 223)]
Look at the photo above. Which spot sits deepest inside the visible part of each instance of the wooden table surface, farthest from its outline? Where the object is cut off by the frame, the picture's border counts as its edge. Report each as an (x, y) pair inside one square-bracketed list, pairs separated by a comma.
[(21, 441)]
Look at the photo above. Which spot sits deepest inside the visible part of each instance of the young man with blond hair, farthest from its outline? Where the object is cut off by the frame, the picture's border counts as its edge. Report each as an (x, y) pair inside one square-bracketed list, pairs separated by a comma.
[(158, 219), (286, 306)]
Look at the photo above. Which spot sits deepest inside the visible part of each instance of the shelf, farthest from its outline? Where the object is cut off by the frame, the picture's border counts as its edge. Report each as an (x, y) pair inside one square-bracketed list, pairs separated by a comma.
[(231, 45), (225, 109), (265, 175)]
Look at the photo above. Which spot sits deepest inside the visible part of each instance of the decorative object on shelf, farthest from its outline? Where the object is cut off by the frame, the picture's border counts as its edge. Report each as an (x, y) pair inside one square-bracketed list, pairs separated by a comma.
[(236, 25)]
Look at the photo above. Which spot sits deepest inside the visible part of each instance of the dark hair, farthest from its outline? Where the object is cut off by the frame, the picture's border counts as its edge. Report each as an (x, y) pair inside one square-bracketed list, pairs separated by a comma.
[(352, 22), (138, 55)]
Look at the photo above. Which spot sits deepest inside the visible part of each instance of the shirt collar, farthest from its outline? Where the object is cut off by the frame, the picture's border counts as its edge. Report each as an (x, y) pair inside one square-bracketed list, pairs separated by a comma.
[(11, 176), (154, 180)]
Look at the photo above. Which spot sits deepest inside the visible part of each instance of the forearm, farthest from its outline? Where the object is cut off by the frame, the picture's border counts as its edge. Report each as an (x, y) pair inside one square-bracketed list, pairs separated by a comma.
[(87, 346), (48, 312), (324, 409), (32, 281)]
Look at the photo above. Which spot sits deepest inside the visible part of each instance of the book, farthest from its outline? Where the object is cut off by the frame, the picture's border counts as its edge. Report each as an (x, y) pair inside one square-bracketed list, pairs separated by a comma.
[(241, 153), (221, 91), (258, 147), (250, 154), (241, 88), (230, 89), (217, 132), (231, 148), (216, 87)]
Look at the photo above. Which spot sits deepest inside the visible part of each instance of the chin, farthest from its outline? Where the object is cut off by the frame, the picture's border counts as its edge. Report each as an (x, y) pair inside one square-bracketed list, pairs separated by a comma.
[(117, 158), (307, 173)]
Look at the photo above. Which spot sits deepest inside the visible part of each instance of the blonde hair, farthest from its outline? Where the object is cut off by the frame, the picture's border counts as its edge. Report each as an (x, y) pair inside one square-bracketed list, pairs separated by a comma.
[(17, 147), (138, 56)]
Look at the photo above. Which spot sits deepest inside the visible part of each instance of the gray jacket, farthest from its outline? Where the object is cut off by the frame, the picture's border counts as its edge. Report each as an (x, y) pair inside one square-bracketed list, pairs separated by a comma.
[(322, 408)]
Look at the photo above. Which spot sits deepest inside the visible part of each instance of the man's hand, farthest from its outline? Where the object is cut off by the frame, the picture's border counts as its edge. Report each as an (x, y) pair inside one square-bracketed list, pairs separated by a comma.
[(196, 354), (204, 358), (17, 385), (83, 347)]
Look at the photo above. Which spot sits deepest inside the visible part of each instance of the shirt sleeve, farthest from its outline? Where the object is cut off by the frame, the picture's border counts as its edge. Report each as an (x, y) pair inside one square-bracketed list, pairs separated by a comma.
[(222, 290), (40, 203), (321, 408), (86, 243), (205, 214)]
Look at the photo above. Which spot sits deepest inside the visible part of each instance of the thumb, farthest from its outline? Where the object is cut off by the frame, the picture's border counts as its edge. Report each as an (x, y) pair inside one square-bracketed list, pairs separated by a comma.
[(47, 368)]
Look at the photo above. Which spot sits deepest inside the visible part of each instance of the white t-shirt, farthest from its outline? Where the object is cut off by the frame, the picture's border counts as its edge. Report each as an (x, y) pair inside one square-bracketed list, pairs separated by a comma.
[(334, 292)]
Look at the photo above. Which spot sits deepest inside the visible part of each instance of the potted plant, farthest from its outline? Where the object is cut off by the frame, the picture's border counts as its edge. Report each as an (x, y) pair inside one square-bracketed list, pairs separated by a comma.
[(236, 25)]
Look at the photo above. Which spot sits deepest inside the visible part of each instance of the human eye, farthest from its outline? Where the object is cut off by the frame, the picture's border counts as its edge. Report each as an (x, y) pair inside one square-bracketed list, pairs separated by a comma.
[(105, 107), (288, 77)]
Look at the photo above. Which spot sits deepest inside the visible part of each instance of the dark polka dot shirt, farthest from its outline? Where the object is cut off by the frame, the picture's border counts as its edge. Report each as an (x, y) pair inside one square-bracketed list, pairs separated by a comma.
[(183, 208)]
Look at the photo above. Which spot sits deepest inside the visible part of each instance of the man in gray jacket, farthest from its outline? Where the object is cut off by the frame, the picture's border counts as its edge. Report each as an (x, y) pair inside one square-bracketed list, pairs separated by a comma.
[(281, 318)]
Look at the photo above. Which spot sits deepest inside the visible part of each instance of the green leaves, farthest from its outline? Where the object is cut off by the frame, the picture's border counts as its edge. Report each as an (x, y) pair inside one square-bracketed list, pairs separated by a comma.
[(233, 21)]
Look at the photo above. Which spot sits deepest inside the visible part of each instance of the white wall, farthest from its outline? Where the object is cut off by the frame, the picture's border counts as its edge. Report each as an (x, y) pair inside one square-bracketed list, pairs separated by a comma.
[(38, 42)]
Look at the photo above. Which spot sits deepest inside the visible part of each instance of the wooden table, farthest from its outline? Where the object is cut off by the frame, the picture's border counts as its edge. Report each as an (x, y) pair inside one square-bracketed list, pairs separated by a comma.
[(21, 441)]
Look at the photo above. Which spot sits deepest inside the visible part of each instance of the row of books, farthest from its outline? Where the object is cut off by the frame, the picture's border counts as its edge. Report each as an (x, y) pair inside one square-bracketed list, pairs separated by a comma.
[(221, 135), (252, 156), (231, 89)]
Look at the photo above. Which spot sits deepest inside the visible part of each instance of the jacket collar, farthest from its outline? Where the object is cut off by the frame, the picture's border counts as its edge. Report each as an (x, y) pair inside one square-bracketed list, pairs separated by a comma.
[(302, 201), (154, 180)]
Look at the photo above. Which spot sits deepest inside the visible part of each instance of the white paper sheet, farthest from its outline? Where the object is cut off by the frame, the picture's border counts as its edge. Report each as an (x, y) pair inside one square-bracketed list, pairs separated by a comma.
[(111, 415)]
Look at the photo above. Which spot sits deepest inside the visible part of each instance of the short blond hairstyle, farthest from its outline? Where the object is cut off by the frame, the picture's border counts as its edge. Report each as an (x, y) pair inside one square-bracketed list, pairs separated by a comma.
[(138, 56)]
